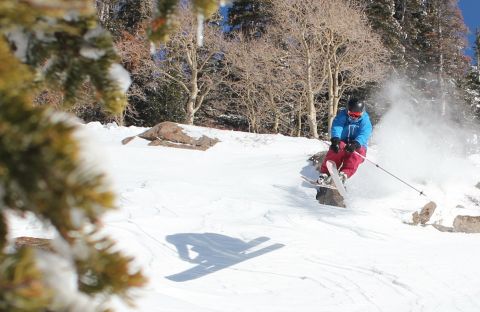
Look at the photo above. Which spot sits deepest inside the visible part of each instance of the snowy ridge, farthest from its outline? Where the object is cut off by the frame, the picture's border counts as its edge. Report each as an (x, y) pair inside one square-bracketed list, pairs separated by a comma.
[(234, 228)]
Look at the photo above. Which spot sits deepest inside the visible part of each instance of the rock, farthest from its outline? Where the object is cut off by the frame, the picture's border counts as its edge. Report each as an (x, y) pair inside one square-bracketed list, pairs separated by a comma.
[(317, 159), (177, 145), (127, 140), (443, 228), (168, 131), (38, 243), (425, 214), (171, 134), (467, 224), (330, 197)]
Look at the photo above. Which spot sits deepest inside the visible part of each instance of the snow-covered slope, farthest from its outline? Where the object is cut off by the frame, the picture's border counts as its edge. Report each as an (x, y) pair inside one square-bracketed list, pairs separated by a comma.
[(236, 229)]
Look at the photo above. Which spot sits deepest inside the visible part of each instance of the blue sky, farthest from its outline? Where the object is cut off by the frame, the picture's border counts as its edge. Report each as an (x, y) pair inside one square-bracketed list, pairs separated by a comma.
[(471, 14)]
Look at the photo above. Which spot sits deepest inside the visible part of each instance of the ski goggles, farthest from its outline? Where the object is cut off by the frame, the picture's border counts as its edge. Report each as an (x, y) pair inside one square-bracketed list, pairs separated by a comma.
[(355, 114)]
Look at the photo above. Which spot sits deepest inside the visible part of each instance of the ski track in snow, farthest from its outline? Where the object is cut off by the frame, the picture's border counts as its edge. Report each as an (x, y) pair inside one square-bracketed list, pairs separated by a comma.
[(236, 229)]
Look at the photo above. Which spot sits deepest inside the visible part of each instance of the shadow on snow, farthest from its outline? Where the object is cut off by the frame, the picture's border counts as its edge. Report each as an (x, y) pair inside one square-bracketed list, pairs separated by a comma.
[(214, 252)]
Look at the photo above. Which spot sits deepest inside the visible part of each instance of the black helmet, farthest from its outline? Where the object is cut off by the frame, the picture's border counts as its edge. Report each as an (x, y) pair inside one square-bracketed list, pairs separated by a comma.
[(355, 106)]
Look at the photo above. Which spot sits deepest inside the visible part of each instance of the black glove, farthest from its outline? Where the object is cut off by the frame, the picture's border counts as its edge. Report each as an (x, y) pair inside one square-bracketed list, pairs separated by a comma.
[(352, 146), (334, 146)]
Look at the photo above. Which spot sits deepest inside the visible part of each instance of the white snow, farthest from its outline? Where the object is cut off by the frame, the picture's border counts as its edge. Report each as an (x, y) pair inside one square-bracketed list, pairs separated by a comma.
[(119, 74), (18, 37), (92, 53), (61, 278), (235, 228), (94, 33)]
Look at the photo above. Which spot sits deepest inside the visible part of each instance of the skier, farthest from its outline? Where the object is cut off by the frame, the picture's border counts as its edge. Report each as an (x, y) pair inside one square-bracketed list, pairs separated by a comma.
[(351, 130)]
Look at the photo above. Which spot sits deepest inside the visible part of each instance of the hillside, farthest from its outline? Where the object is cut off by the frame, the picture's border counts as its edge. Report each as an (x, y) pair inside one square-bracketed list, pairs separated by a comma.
[(234, 228)]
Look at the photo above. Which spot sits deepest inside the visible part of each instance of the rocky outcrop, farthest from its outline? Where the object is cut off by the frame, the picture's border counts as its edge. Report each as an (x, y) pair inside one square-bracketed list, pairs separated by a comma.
[(330, 197), (317, 159), (461, 224), (171, 134), (467, 224), (425, 214)]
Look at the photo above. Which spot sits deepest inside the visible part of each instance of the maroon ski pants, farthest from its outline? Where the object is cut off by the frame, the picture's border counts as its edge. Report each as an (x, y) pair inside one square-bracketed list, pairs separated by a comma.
[(345, 161)]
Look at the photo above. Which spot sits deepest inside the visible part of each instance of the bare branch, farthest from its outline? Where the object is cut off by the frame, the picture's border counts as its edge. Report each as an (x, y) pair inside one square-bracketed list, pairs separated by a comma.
[(191, 66)]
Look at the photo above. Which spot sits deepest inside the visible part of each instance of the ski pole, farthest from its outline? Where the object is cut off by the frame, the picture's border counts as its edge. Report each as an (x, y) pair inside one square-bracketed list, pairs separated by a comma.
[(386, 171)]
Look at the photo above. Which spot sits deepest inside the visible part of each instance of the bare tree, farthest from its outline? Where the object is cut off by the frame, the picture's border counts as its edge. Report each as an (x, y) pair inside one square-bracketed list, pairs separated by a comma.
[(261, 82), (194, 68), (354, 54), (298, 27), (243, 80), (333, 47)]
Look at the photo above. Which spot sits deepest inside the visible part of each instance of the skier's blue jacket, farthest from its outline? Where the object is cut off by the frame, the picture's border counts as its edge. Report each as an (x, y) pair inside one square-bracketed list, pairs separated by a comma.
[(348, 129)]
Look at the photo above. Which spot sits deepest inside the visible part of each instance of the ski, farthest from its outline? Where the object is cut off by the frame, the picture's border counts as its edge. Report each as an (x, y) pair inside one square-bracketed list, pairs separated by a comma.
[(332, 169), (315, 183)]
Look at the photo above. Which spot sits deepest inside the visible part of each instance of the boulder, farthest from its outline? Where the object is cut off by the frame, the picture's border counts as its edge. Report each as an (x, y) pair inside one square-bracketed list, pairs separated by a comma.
[(467, 224), (317, 159), (425, 214), (168, 131), (443, 228), (330, 197), (171, 134), (127, 140)]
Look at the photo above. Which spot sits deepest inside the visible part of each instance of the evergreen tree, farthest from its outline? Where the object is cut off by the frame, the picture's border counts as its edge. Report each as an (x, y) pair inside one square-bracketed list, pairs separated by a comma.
[(381, 15), (446, 40), (444, 63), (411, 15), (150, 99), (124, 16), (251, 17), (58, 44), (471, 84), (477, 49), (471, 93), (434, 38)]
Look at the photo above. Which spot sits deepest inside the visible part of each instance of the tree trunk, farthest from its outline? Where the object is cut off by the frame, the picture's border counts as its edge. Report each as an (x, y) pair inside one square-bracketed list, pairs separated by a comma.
[(312, 112), (190, 108), (102, 10), (478, 54), (190, 113), (478, 65), (331, 109), (252, 118), (276, 113), (441, 66), (299, 123), (336, 91), (477, 51)]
